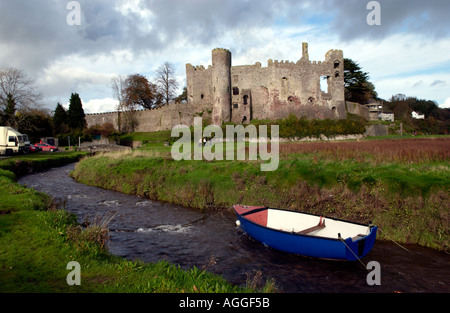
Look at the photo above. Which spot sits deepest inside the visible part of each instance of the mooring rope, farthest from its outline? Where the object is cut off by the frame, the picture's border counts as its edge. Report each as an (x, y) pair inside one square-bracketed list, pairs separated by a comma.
[(394, 240), (342, 239)]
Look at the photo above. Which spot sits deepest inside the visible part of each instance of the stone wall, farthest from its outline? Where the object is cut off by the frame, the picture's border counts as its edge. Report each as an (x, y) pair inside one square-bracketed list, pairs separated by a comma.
[(376, 130), (358, 109), (163, 118)]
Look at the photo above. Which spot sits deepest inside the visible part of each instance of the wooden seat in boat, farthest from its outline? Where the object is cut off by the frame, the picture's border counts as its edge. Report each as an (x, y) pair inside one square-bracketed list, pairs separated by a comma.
[(319, 226)]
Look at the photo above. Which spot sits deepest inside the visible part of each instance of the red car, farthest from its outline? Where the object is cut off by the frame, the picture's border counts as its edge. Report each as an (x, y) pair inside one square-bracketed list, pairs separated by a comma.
[(31, 149), (46, 147)]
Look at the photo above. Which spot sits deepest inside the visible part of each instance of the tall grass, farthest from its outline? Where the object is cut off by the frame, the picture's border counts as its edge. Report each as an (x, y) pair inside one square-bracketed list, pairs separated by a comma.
[(378, 151)]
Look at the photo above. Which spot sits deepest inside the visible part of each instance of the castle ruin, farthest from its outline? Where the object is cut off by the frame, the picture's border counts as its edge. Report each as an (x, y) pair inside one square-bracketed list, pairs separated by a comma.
[(226, 93)]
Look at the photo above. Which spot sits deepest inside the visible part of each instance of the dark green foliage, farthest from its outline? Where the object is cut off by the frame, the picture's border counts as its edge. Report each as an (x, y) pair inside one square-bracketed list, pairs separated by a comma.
[(356, 82), (293, 127), (437, 120), (75, 115), (60, 119)]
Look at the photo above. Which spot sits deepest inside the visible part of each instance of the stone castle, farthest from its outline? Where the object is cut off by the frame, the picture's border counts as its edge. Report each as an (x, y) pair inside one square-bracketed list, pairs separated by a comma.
[(225, 93)]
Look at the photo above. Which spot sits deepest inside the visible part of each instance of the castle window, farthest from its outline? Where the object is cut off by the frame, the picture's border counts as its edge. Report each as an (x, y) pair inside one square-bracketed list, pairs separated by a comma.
[(291, 99), (284, 82), (311, 100), (235, 105), (202, 96), (245, 99), (336, 64), (324, 83), (336, 74), (235, 90), (334, 110)]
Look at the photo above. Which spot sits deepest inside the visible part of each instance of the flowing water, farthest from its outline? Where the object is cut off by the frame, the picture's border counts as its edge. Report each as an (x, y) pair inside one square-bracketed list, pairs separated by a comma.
[(152, 231)]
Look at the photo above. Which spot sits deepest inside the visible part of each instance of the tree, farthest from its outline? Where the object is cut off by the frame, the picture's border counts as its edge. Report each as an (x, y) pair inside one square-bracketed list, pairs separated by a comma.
[(132, 92), (38, 124), (166, 82), (183, 97), (75, 115), (356, 83), (118, 88), (60, 120), (139, 91), (18, 95), (423, 106)]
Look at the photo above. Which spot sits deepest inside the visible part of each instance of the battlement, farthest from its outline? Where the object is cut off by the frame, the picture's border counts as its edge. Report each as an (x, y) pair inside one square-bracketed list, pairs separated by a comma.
[(220, 50)]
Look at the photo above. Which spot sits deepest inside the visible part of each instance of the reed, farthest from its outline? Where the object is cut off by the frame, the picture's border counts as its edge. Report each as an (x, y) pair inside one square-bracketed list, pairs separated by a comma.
[(377, 151)]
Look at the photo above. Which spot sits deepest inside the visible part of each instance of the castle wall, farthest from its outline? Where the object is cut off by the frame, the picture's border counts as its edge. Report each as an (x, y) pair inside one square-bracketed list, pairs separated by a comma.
[(162, 118), (102, 118), (223, 93)]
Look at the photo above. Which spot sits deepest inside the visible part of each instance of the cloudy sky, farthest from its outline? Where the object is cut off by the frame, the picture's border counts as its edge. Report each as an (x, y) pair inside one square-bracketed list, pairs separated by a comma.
[(409, 52)]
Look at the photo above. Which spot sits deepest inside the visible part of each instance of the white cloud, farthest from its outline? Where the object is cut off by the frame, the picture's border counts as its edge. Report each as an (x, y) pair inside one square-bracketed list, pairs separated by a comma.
[(135, 36), (446, 103), (100, 105)]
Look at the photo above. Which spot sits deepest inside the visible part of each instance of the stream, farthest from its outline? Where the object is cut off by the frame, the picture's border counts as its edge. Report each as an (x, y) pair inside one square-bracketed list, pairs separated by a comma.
[(151, 231)]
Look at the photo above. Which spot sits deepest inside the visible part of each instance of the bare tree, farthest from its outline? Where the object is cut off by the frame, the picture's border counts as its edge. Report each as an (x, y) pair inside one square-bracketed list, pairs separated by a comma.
[(18, 95), (118, 88), (166, 81)]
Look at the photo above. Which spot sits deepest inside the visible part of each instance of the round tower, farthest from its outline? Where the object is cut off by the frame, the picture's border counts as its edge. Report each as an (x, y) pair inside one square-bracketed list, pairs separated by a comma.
[(221, 85)]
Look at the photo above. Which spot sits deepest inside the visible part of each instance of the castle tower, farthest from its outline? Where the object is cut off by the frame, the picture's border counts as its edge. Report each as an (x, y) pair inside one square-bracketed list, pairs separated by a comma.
[(221, 86)]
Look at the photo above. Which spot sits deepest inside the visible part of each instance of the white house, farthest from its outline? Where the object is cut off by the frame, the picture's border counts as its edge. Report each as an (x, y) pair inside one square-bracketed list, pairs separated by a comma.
[(417, 115)]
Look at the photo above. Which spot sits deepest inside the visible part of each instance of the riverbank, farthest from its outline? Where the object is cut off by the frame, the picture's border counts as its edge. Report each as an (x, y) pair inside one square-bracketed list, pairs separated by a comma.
[(400, 185), (38, 239)]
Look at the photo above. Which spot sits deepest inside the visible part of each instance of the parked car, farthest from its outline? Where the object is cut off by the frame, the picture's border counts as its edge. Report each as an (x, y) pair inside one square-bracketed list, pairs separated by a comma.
[(46, 147), (32, 148), (37, 148)]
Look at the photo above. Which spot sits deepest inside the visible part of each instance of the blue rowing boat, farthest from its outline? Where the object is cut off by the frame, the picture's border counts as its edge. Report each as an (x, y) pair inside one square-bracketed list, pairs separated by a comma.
[(306, 234)]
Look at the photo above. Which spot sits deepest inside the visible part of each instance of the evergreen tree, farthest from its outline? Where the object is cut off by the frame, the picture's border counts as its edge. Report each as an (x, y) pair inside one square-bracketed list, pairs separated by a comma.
[(75, 115), (59, 119), (356, 82)]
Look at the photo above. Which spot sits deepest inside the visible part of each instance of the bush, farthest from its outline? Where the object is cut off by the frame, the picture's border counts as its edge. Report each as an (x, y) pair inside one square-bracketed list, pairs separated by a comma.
[(293, 127)]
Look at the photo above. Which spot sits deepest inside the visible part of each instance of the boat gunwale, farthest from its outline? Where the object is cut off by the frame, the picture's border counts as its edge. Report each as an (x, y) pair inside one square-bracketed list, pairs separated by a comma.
[(298, 234)]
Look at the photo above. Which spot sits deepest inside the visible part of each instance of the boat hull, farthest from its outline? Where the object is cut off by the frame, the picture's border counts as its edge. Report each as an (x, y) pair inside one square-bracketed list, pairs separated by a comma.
[(307, 245)]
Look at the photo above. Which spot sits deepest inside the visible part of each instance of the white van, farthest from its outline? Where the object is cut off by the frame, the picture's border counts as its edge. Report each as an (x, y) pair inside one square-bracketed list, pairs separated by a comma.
[(11, 141)]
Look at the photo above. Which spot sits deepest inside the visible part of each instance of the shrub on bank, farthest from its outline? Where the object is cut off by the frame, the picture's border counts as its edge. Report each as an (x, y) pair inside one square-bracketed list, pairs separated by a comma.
[(294, 127)]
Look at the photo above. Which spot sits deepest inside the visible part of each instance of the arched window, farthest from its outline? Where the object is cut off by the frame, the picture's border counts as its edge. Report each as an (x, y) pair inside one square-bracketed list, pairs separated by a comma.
[(245, 99)]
